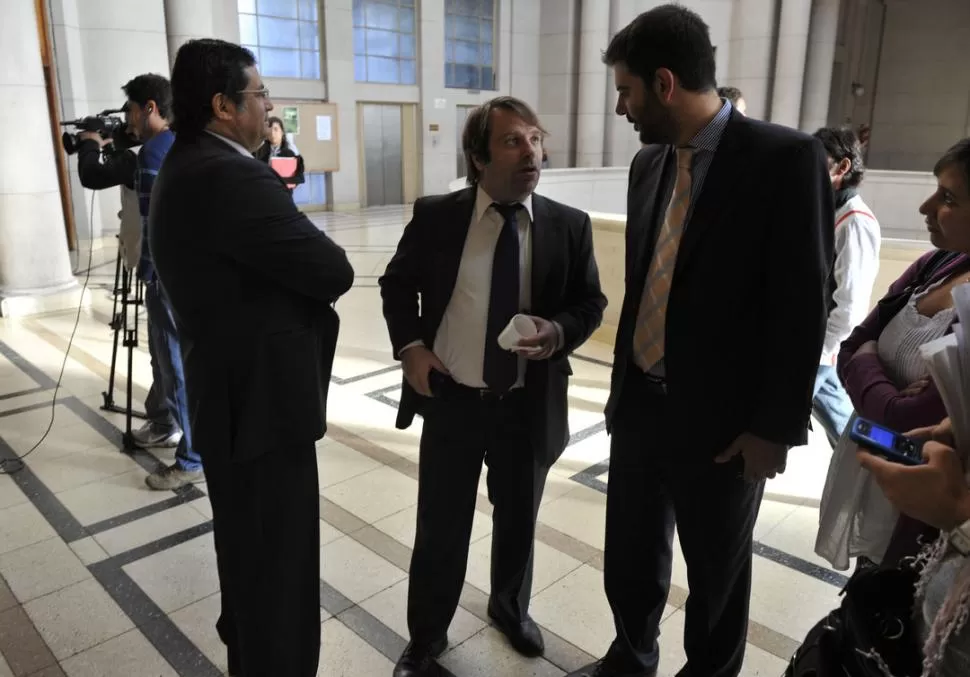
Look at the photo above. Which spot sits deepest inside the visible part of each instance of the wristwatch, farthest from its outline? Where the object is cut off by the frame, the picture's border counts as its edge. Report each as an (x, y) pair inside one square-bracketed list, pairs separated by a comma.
[(960, 538)]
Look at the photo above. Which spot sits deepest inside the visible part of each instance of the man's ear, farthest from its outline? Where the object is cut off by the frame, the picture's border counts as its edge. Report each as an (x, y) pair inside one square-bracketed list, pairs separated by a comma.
[(222, 107), (663, 84)]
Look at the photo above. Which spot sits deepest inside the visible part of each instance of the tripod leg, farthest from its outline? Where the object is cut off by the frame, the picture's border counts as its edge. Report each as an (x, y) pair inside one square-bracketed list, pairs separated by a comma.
[(126, 438), (121, 290), (123, 336)]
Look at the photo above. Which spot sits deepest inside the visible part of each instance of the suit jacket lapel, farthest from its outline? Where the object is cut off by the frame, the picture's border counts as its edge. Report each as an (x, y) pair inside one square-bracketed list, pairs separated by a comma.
[(451, 234), (723, 174), (545, 235), (643, 212)]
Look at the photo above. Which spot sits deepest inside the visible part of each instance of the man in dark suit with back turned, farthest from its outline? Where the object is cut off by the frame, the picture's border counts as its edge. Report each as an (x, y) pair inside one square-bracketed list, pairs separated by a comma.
[(476, 258), (728, 251), (252, 283)]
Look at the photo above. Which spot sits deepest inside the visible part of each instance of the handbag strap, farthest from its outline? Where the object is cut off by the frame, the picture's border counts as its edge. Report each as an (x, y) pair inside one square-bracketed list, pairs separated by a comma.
[(890, 306), (937, 262)]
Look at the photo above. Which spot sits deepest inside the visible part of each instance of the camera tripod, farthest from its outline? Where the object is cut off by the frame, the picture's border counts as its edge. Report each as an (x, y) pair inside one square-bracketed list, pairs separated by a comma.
[(129, 296)]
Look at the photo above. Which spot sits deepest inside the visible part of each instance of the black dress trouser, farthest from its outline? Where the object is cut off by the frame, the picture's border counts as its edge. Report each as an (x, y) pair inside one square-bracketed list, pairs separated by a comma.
[(266, 519), (657, 481), (461, 430)]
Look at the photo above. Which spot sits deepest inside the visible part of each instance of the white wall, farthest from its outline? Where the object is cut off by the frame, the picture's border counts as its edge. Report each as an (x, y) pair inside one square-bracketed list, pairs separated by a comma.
[(894, 197), (923, 91)]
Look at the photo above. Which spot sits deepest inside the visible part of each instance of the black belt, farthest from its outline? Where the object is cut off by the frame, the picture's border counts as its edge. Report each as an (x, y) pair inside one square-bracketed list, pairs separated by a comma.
[(446, 387), (648, 383)]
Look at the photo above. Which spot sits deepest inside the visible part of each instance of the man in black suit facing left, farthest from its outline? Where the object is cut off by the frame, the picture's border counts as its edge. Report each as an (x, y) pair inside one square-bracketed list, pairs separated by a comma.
[(252, 284), (476, 258), (728, 252)]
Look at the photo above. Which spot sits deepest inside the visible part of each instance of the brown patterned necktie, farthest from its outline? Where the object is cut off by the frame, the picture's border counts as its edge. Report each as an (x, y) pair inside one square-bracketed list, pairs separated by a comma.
[(648, 337)]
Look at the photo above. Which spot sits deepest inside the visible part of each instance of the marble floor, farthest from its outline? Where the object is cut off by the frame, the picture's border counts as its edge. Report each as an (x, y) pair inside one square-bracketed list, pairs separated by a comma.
[(101, 577)]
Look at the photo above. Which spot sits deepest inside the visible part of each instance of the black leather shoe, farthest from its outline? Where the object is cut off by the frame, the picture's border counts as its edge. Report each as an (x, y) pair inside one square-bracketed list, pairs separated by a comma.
[(524, 636), (602, 669), (418, 660)]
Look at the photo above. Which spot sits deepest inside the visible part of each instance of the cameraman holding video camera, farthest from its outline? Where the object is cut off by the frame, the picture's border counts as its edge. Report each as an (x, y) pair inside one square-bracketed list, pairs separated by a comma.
[(106, 158), (147, 112), (117, 169)]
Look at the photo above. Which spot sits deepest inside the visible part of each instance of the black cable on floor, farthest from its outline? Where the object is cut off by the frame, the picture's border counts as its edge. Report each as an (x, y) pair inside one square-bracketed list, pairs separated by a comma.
[(9, 466)]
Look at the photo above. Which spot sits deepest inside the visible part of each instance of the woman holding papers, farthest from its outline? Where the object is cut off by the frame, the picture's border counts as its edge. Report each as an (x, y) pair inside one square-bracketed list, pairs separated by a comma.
[(888, 381), (280, 154)]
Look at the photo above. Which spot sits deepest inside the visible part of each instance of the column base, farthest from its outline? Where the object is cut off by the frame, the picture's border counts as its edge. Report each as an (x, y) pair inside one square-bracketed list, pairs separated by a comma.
[(58, 300)]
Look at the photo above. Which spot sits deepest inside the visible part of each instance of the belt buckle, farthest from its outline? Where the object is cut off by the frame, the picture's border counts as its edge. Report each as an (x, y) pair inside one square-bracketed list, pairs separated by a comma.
[(656, 382), (485, 394)]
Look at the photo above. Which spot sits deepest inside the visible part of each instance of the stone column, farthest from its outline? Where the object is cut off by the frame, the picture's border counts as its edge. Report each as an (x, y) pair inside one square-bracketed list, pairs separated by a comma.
[(786, 98), (35, 267), (622, 142), (338, 43), (593, 80), (822, 37), (189, 19), (558, 78), (749, 64)]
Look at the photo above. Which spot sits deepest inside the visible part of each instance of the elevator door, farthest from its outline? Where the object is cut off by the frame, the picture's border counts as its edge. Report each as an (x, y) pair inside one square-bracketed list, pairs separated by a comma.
[(383, 167), (463, 113)]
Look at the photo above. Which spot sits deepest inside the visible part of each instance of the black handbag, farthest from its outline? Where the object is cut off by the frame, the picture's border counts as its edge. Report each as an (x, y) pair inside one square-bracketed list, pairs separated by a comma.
[(871, 634)]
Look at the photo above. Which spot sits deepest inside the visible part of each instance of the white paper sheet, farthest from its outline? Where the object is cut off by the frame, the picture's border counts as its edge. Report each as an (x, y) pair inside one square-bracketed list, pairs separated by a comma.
[(324, 131), (948, 359)]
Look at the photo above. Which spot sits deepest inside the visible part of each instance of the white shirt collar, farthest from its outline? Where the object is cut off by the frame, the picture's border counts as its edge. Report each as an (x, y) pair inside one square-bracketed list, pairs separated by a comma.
[(483, 201), (235, 144)]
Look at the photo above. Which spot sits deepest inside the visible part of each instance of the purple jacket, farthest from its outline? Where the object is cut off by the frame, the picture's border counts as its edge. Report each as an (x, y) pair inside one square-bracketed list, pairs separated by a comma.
[(873, 393)]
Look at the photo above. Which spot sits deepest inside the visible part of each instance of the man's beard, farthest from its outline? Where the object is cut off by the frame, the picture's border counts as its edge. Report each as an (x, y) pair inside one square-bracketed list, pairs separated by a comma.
[(659, 129), (657, 132)]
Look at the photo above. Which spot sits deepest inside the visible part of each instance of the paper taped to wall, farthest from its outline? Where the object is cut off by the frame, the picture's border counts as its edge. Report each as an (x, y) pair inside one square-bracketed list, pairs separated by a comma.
[(324, 131)]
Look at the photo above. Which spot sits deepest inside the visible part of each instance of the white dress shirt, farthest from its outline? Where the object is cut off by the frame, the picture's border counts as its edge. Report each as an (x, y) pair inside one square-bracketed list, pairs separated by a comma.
[(235, 144), (460, 341), (857, 243)]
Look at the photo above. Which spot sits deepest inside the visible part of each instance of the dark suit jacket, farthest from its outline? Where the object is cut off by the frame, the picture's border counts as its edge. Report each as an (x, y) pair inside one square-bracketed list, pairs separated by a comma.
[(252, 283), (749, 300), (565, 289)]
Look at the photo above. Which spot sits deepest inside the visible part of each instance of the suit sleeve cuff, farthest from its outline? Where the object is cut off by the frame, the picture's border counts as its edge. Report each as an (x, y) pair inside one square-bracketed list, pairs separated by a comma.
[(408, 346), (560, 336)]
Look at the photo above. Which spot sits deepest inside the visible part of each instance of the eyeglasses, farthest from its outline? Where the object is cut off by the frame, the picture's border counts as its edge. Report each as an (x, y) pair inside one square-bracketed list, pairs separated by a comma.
[(259, 93)]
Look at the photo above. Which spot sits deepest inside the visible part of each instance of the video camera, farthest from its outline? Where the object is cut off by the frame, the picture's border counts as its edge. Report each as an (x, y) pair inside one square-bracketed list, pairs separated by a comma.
[(106, 124)]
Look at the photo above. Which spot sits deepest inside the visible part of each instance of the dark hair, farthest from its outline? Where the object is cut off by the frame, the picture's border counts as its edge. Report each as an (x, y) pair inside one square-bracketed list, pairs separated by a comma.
[(285, 143), (669, 36), (841, 143), (732, 94), (477, 134), (958, 154), (151, 87), (204, 68)]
